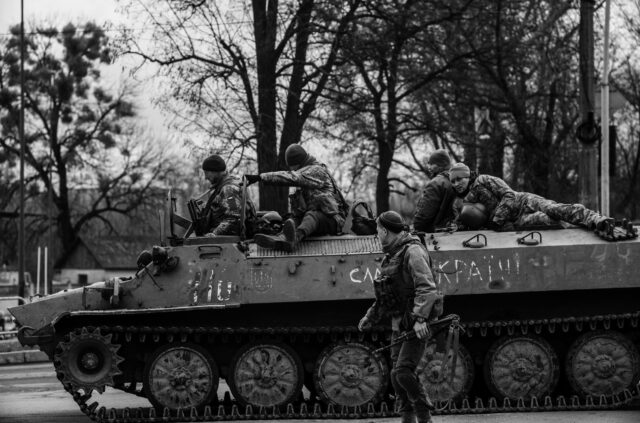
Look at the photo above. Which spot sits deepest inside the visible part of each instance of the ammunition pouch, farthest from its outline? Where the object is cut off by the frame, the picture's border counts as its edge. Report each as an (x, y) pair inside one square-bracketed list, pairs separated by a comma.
[(387, 298)]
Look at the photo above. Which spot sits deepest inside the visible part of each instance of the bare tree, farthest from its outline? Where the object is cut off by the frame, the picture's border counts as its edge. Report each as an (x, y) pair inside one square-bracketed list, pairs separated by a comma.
[(626, 79), (242, 74), (394, 51), (78, 135)]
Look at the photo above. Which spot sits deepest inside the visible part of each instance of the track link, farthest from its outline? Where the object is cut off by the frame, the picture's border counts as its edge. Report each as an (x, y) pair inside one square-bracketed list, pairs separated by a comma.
[(230, 410)]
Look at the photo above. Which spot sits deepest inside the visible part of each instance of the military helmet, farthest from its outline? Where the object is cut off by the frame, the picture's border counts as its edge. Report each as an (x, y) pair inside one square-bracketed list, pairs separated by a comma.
[(474, 215), (272, 216)]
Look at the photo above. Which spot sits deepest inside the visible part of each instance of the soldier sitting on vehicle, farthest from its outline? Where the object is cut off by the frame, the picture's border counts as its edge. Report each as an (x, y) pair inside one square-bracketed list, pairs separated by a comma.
[(221, 213), (506, 208), (435, 207), (318, 206)]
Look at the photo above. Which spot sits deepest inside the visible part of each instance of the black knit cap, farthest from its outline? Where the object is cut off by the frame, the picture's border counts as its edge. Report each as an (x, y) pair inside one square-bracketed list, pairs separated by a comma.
[(440, 158), (214, 163), (295, 155), (392, 221)]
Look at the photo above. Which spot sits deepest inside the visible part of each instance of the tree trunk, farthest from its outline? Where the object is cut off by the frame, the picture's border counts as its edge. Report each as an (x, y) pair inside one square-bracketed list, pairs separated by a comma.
[(470, 147), (265, 26), (385, 154), (292, 127), (491, 151)]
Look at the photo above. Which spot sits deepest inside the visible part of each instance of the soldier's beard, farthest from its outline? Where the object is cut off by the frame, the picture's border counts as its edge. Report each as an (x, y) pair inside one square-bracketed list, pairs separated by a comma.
[(215, 180)]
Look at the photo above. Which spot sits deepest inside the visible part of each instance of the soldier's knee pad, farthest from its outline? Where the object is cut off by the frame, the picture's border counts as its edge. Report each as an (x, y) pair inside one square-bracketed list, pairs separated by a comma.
[(403, 375)]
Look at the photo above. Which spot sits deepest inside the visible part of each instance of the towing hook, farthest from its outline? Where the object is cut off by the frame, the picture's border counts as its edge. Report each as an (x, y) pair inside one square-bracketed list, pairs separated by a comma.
[(26, 336)]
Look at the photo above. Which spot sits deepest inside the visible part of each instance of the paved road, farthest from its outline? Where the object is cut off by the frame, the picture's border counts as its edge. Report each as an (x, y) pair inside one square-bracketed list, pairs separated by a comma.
[(32, 394)]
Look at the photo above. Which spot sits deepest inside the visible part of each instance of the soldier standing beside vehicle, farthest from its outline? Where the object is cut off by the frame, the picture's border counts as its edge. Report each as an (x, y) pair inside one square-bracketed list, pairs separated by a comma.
[(506, 208), (318, 206), (222, 211), (435, 207), (406, 292)]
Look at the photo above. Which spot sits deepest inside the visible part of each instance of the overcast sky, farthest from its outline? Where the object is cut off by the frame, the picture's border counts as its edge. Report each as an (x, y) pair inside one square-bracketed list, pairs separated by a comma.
[(58, 11)]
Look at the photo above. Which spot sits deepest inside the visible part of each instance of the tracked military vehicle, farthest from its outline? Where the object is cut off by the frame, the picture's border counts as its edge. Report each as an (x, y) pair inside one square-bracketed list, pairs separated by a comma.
[(550, 317)]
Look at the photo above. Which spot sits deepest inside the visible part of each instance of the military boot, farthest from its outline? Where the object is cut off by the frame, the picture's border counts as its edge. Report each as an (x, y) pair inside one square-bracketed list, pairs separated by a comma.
[(604, 224), (408, 417), (274, 242), (291, 232), (424, 417)]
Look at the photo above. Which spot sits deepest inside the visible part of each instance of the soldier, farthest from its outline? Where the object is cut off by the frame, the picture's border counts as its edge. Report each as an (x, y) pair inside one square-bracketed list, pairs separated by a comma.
[(221, 213), (435, 207), (506, 208), (405, 292), (318, 206)]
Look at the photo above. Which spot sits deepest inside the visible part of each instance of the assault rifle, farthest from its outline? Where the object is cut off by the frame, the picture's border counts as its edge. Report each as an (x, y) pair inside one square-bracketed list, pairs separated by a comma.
[(453, 339), (198, 216)]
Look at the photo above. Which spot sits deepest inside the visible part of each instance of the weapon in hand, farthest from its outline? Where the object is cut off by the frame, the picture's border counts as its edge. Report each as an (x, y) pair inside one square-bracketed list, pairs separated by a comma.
[(453, 336), (199, 221), (406, 336)]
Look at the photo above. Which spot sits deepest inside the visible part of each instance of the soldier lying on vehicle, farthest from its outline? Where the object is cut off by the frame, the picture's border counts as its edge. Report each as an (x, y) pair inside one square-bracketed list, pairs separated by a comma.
[(506, 209)]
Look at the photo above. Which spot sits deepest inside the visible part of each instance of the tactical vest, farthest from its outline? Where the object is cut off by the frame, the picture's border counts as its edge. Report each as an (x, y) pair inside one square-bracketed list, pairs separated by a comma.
[(395, 295)]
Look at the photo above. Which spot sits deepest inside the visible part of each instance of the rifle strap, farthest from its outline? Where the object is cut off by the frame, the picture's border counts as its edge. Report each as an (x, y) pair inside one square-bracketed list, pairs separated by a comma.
[(454, 353), (449, 343)]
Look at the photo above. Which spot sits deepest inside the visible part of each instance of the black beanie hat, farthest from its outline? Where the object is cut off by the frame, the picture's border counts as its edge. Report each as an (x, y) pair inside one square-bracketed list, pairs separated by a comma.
[(214, 163), (295, 155), (440, 158), (392, 221)]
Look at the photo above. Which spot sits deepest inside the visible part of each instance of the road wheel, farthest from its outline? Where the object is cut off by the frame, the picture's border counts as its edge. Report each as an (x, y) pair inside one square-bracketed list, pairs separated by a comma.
[(350, 374), (602, 363), (266, 374), (434, 372), (181, 376), (521, 367), (87, 360)]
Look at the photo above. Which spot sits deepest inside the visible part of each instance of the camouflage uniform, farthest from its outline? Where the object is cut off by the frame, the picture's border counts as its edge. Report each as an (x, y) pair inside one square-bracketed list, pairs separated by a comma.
[(536, 210), (223, 209), (317, 205), (435, 207), (406, 290), (505, 205)]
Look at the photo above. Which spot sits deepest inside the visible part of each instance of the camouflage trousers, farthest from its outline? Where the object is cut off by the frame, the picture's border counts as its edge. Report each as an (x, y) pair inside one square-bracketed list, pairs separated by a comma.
[(536, 210)]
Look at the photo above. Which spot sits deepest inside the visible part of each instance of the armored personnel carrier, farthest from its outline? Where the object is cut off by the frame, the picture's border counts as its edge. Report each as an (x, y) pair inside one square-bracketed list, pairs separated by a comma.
[(550, 317)]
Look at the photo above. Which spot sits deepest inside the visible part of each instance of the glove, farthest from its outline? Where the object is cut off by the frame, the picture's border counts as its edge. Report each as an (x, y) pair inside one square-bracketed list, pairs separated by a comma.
[(508, 227), (252, 179), (364, 324)]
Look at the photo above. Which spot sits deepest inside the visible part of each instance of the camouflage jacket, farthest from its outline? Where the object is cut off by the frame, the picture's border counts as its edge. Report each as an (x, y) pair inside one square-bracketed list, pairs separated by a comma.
[(406, 288), (499, 199), (317, 190), (223, 209), (435, 207)]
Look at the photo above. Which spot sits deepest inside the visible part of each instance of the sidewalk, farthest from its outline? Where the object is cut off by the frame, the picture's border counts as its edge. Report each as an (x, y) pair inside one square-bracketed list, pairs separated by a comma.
[(11, 352)]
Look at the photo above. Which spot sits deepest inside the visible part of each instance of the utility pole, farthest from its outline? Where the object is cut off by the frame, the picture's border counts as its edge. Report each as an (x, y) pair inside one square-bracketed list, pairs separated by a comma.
[(604, 148), (588, 132), (21, 240)]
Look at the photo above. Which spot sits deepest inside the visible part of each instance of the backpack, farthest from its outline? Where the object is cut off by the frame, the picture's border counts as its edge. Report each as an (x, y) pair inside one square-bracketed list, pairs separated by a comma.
[(362, 224)]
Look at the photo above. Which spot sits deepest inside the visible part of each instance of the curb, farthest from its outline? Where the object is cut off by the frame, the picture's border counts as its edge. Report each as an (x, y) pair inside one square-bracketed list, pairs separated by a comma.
[(11, 352), (20, 357)]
